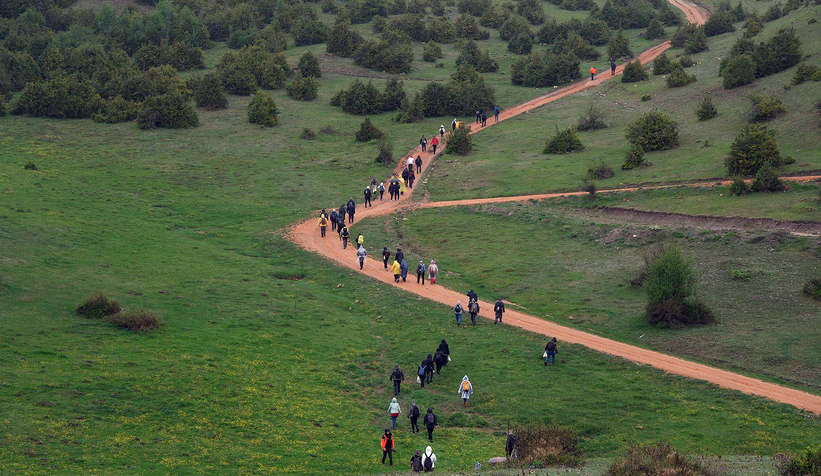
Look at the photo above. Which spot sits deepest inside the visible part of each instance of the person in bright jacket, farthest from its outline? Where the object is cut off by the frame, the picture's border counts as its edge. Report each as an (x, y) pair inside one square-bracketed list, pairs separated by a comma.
[(428, 459), (420, 273), (394, 411), (404, 266), (465, 389), (344, 234), (360, 240), (387, 445), (432, 270), (323, 224), (433, 143), (361, 254), (396, 269)]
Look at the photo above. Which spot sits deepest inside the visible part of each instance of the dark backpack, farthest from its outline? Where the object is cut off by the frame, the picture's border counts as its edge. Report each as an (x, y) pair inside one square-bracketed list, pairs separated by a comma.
[(430, 420), (421, 370), (551, 346), (414, 412), (428, 464)]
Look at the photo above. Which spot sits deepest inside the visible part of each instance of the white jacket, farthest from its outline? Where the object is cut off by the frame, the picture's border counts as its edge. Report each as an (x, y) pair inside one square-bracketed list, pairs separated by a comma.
[(429, 454)]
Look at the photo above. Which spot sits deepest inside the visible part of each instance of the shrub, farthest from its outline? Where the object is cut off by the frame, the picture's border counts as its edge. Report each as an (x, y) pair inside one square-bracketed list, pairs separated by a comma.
[(208, 91), (98, 306), (588, 186), (662, 65), (599, 171), (646, 97), (263, 110), (493, 18), (780, 52), (412, 111), (368, 132), (619, 46), (545, 69), (252, 67), (30, 166), (706, 109), (740, 275), (521, 45), (343, 40), (431, 52), (764, 107), (633, 72), (361, 99), (654, 31), (805, 72), (655, 459), (653, 131), (812, 288), (753, 148), (633, 158), (720, 22), (394, 95), (564, 142), (552, 445), (116, 109), (691, 37), (308, 31), (392, 54), (670, 284), (475, 7), (686, 61), (739, 186), (592, 119), (307, 134), (309, 66), (480, 60), (302, 88), (137, 320), (462, 95), (170, 110), (467, 28), (64, 97), (459, 141), (679, 78), (441, 30), (766, 180), (385, 147), (737, 71), (532, 10)]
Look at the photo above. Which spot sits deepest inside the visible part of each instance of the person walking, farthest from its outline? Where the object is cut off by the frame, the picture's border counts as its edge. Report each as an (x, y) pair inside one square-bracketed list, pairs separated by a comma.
[(416, 462), (478, 116), (592, 74), (340, 223), (334, 219), (550, 351), (428, 362), (405, 174), (434, 142), (392, 189), (419, 158), (361, 254), (411, 177), (400, 255), (428, 459), (424, 143), (402, 187), (368, 195), (413, 414), (496, 114), (473, 308), (458, 310), (472, 296), (386, 255), (445, 348), (396, 269), (484, 118), (465, 389), (612, 66), (421, 373), (432, 270), (440, 359), (387, 445), (374, 181), (510, 444), (397, 377), (360, 240), (342, 213), (351, 210), (430, 424), (442, 130), (323, 224), (410, 162), (453, 124), (404, 270), (420, 273), (499, 309), (345, 234), (381, 190), (394, 411)]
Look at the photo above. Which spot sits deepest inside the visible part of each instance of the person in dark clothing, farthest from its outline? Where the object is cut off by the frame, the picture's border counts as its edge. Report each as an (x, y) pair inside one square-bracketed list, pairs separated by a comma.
[(551, 349), (472, 296), (430, 423), (440, 359), (478, 116), (399, 255), (351, 209), (387, 446), (496, 113), (340, 224), (429, 368), (386, 255), (444, 347), (416, 462), (420, 273), (368, 195), (411, 177), (419, 160), (612, 66), (422, 373), (342, 213), (510, 444), (499, 309), (484, 118), (344, 235), (424, 143), (398, 377), (458, 310), (405, 174), (381, 190), (334, 219), (453, 125), (473, 309), (413, 414)]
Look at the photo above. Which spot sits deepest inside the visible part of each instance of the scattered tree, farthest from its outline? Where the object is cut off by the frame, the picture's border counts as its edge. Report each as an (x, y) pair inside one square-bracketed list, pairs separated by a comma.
[(706, 109), (263, 110), (754, 147), (633, 72), (564, 142), (653, 131), (368, 131)]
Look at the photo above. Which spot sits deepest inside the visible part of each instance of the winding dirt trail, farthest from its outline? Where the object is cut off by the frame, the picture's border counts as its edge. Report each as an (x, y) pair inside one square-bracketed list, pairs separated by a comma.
[(306, 235)]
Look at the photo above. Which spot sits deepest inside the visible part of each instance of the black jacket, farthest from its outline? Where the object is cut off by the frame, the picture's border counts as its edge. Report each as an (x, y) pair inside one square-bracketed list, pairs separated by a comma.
[(430, 412), (551, 345), (472, 296), (400, 255), (440, 358), (428, 363), (367, 193), (351, 208), (397, 375), (499, 307), (444, 347)]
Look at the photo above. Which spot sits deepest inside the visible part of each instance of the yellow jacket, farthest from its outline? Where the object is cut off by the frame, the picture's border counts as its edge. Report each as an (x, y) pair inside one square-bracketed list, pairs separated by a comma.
[(323, 223), (396, 268)]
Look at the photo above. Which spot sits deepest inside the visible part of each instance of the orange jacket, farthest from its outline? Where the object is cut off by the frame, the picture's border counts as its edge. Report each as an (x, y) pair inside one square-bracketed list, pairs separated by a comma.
[(385, 442)]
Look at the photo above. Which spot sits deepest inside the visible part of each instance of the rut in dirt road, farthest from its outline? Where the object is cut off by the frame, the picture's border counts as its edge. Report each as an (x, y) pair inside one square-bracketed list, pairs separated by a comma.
[(305, 235)]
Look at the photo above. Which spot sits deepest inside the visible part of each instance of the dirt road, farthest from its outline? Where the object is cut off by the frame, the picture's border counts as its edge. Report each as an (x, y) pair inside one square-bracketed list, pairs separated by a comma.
[(306, 235)]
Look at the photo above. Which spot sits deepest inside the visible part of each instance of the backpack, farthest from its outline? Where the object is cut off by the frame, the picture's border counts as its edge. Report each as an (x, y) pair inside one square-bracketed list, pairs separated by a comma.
[(421, 372), (474, 307), (430, 420), (428, 464), (415, 412), (381, 188), (458, 309), (323, 221), (466, 386), (551, 346)]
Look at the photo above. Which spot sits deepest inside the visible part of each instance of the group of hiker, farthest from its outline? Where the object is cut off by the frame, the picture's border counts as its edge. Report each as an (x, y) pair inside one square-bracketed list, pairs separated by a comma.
[(473, 309), (419, 461)]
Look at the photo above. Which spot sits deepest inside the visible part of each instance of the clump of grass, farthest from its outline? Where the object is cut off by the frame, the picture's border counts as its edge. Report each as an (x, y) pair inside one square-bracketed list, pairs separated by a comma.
[(328, 130), (592, 119), (98, 306), (656, 459), (599, 171), (30, 166), (137, 320), (307, 134), (812, 288), (542, 445)]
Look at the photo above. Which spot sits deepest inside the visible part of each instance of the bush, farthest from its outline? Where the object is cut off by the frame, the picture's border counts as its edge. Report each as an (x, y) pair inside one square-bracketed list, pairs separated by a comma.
[(98, 306), (368, 132), (564, 142), (394, 95), (302, 88), (462, 95), (30, 166), (252, 67), (691, 37), (308, 31), (441, 30), (739, 186), (385, 148), (263, 110), (393, 54), (412, 111), (309, 66), (361, 99), (655, 459), (633, 158), (545, 69), (686, 61), (655, 31), (646, 97), (431, 52), (592, 119), (766, 180), (806, 463), (208, 91), (116, 109), (307, 134), (753, 148), (459, 141), (679, 78), (662, 65), (588, 186), (64, 97), (720, 22), (737, 71), (552, 445), (633, 72), (343, 40), (521, 45), (706, 109), (467, 28), (475, 7), (780, 52), (653, 131), (805, 72), (532, 10), (764, 107), (137, 320), (812, 288), (619, 46), (480, 60), (170, 110), (670, 283), (599, 171), (513, 27)]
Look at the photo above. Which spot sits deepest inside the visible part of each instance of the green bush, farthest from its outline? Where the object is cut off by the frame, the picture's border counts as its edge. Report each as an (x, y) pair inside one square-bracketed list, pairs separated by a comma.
[(394, 95), (493, 18), (633, 158), (412, 111), (656, 459), (384, 146), (740, 275), (208, 92), (646, 97), (545, 69), (686, 61), (653, 131), (475, 7), (551, 445), (263, 110), (599, 171), (737, 71), (592, 119), (564, 142), (98, 306), (812, 288), (368, 132), (753, 148), (633, 72), (619, 46), (393, 54), (805, 72), (462, 95), (764, 107), (467, 28), (309, 66), (655, 31), (116, 109), (662, 65), (588, 186), (137, 320), (308, 31), (359, 98), (720, 22), (64, 97), (739, 186), (459, 141), (30, 166), (806, 463), (766, 180), (431, 52), (521, 45), (480, 60), (670, 283), (170, 110), (307, 134), (679, 78), (411, 24), (532, 10), (691, 37), (706, 109), (441, 30), (302, 88), (343, 40), (513, 27), (252, 67)]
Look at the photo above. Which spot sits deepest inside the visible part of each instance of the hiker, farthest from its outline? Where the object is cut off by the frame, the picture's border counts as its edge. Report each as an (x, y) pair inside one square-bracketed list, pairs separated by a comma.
[(397, 377), (458, 310), (472, 296), (410, 162), (484, 118), (405, 174), (550, 351), (428, 363), (442, 131), (345, 234), (381, 190), (432, 270), (478, 116), (416, 462), (374, 181), (323, 224), (396, 269), (401, 189), (360, 240), (342, 213), (433, 142), (361, 254), (387, 445), (445, 348), (592, 74), (334, 219), (421, 373), (612, 66), (430, 424), (473, 309), (428, 459), (420, 273), (394, 410), (499, 308), (496, 113), (411, 176), (351, 209), (392, 189), (424, 143), (368, 195), (466, 389), (386, 255), (440, 359), (419, 159), (340, 223), (453, 124), (510, 444), (413, 414), (403, 266), (323, 213), (400, 255)]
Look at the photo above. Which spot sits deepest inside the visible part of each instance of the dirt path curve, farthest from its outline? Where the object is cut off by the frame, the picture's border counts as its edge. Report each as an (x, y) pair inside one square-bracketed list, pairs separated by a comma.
[(306, 235)]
